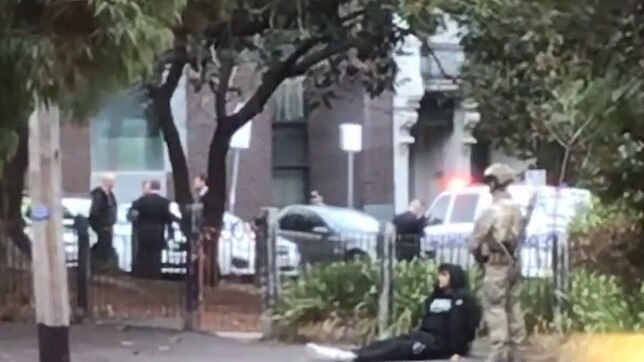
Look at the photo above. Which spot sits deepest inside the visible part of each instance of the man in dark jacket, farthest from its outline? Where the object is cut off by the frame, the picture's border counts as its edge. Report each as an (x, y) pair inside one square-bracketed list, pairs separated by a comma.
[(102, 217), (151, 215), (410, 227), (452, 316)]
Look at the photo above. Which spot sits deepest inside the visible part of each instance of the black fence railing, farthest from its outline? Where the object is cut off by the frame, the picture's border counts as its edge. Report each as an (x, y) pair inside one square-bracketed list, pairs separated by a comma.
[(260, 256)]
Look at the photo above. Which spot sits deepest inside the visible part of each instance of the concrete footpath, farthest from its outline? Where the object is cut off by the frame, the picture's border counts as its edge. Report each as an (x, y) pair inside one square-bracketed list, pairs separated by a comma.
[(96, 343)]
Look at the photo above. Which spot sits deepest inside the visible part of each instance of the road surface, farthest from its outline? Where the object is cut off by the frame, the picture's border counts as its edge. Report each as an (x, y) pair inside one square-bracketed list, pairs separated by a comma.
[(96, 343)]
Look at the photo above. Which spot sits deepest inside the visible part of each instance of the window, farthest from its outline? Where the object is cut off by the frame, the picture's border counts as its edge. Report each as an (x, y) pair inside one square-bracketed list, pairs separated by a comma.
[(124, 137), (292, 222), (288, 101), (290, 145), (289, 186), (438, 212), (300, 220), (464, 209)]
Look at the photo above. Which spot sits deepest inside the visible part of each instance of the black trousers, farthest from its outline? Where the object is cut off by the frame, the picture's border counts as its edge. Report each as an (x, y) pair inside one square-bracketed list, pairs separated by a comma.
[(415, 346), (149, 245), (103, 251), (407, 247)]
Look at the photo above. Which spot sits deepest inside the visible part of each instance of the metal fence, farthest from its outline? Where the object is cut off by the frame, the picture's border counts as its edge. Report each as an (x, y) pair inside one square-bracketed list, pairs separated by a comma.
[(236, 287)]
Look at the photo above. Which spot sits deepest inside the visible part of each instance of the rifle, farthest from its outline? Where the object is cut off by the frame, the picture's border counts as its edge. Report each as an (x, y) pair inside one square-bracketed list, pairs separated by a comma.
[(481, 254), (532, 203)]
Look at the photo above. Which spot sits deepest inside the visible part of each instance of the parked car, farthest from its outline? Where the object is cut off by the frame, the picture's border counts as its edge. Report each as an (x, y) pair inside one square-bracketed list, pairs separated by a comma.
[(326, 233), (71, 207), (452, 214)]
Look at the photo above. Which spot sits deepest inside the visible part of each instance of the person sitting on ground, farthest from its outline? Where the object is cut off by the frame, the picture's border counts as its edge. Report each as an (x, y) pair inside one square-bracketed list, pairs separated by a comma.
[(447, 330)]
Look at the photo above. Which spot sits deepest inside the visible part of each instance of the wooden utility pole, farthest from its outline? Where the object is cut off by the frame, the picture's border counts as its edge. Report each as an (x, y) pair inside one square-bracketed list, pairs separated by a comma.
[(48, 254)]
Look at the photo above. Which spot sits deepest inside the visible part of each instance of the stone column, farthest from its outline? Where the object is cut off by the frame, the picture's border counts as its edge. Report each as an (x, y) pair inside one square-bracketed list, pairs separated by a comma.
[(409, 91), (465, 120)]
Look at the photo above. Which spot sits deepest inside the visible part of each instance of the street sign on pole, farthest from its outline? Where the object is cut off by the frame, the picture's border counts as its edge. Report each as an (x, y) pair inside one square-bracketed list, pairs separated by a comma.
[(48, 250), (239, 141), (351, 143)]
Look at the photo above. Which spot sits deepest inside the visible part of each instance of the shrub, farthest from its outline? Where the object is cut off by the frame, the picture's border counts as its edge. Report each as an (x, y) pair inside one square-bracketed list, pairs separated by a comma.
[(339, 290), (346, 294), (537, 298), (597, 303), (609, 239)]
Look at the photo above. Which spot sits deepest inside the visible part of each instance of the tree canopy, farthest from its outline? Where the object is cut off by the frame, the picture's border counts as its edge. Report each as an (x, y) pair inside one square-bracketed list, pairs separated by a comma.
[(561, 82), (71, 54), (326, 42)]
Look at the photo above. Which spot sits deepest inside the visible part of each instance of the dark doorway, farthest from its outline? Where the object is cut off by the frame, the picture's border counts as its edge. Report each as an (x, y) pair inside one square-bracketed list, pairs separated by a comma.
[(479, 160)]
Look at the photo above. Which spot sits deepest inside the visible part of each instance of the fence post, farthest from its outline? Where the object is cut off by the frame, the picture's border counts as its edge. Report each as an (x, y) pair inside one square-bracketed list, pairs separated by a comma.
[(193, 266), (261, 235), (84, 269), (268, 269), (556, 280), (386, 246)]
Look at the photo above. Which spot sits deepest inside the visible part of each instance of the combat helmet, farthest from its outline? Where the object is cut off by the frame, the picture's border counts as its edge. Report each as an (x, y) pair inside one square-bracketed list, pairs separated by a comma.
[(499, 174)]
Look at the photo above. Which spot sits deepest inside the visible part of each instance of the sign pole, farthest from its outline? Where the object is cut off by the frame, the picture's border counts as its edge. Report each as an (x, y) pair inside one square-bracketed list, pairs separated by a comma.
[(48, 252), (350, 178), (351, 143), (233, 182)]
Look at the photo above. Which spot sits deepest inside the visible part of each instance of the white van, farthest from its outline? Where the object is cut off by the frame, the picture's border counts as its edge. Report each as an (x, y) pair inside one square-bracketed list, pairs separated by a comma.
[(451, 222)]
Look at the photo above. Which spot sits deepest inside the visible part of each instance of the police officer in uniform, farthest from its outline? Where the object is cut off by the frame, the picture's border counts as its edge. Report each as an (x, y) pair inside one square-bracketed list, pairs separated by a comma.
[(151, 214), (494, 242)]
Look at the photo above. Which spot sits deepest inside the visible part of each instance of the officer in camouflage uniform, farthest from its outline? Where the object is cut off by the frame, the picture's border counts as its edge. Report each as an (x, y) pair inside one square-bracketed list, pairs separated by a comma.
[(493, 243)]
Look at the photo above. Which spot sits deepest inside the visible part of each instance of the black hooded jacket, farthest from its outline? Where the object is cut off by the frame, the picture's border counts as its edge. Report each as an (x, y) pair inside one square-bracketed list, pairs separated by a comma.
[(452, 315)]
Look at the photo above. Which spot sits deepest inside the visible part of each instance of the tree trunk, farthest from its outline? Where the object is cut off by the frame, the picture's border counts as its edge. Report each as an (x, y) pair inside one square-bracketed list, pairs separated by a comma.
[(180, 175), (161, 98), (215, 199)]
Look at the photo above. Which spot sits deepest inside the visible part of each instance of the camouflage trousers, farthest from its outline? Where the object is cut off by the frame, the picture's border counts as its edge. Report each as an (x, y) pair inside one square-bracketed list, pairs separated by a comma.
[(503, 314)]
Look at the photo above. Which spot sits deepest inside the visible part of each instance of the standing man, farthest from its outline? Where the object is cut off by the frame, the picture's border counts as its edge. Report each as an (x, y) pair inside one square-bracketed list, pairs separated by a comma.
[(131, 217), (410, 226), (102, 217), (494, 242), (200, 186), (316, 199), (151, 213)]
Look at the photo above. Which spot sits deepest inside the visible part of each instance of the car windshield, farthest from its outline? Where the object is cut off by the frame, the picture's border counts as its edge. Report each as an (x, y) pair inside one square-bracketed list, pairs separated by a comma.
[(348, 220)]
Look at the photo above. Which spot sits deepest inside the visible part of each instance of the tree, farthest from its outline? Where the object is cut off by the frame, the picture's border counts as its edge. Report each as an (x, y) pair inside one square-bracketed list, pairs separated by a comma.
[(325, 41), (69, 53), (559, 81)]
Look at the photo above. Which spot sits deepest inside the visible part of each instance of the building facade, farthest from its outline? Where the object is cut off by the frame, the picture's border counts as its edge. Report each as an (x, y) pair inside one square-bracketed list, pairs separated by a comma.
[(414, 139)]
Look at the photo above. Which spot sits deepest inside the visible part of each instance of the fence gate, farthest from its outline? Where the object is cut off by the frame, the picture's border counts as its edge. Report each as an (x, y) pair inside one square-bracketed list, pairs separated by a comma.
[(224, 293), (115, 294)]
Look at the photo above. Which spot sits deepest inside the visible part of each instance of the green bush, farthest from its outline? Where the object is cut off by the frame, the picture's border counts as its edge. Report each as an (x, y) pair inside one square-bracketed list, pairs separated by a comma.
[(598, 303), (346, 294), (342, 290), (609, 239), (537, 298)]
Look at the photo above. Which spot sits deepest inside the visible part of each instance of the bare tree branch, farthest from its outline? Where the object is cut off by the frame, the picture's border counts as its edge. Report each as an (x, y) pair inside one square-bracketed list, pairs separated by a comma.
[(316, 57), (271, 79)]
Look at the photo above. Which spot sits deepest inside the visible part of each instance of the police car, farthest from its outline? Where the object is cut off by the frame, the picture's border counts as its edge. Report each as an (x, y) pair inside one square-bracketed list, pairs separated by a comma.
[(452, 214)]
